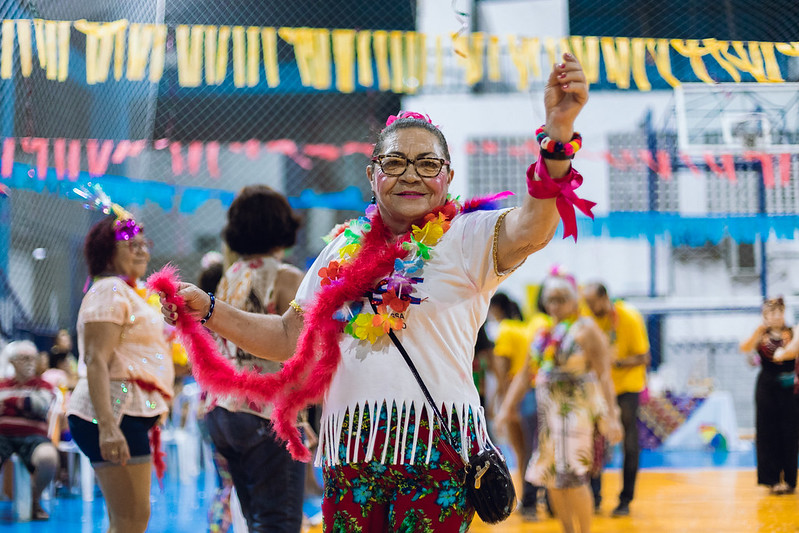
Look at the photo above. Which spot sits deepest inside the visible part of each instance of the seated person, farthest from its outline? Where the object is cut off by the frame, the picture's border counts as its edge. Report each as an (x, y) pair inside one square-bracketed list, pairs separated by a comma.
[(25, 400)]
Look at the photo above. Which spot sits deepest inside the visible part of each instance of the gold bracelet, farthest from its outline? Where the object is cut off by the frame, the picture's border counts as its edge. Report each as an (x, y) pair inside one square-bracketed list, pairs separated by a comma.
[(297, 307), (494, 252)]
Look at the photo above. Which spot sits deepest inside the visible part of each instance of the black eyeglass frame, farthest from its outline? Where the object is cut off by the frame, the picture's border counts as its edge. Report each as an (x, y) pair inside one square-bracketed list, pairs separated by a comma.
[(379, 160)]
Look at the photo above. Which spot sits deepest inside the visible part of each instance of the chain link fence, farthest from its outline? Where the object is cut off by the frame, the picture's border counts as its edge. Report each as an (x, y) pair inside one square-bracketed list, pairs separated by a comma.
[(290, 94)]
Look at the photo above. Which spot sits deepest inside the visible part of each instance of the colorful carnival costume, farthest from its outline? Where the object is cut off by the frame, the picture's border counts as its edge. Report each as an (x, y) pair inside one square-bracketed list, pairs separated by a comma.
[(570, 407)]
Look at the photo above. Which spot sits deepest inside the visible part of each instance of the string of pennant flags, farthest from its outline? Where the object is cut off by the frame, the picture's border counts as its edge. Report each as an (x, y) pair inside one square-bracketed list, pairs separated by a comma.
[(188, 157), (345, 59)]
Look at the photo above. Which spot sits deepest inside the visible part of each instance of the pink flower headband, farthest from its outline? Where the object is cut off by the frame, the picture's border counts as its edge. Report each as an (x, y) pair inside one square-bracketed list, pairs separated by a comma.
[(556, 271), (125, 228), (408, 114)]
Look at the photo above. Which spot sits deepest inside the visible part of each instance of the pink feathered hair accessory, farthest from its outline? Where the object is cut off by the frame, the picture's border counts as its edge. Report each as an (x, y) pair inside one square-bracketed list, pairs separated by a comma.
[(408, 114)]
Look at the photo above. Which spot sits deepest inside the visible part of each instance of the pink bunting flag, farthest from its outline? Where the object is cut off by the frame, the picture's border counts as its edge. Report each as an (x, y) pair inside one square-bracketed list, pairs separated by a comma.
[(121, 152), (490, 147), (289, 148), (785, 169), (7, 165), (352, 147), (137, 147), (73, 160), (689, 164), (177, 158), (212, 159), (195, 157), (98, 156), (766, 165), (40, 147), (728, 164), (60, 157), (711, 163), (328, 152), (646, 157), (628, 158), (664, 164), (615, 163), (160, 144), (252, 148)]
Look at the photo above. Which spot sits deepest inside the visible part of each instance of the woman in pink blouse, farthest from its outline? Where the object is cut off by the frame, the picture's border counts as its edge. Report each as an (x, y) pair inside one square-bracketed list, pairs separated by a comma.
[(126, 371)]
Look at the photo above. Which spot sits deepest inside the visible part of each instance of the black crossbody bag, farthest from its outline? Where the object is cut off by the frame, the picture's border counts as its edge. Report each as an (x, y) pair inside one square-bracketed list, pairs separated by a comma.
[(488, 483)]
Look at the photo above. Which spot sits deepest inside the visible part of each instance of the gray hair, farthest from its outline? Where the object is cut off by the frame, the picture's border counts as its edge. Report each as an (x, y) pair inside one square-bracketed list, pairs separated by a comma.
[(16, 348), (554, 283)]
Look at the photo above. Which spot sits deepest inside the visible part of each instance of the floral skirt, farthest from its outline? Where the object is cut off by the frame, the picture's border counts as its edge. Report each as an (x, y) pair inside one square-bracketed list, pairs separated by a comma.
[(374, 496), (570, 407)]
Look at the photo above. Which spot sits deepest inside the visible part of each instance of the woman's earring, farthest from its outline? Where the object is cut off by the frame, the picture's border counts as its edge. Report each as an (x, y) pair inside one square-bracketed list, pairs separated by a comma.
[(374, 200)]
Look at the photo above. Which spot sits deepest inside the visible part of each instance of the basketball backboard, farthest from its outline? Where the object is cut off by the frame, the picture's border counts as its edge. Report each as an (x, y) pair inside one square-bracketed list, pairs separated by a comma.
[(737, 117)]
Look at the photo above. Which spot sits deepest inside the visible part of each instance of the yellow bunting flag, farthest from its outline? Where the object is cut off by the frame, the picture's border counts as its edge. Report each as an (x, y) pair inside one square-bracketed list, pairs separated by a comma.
[(269, 42), (439, 62), (189, 46), (659, 49), (253, 56), (101, 38), (380, 44), (211, 41), (421, 62), (494, 73), (158, 55), (321, 59), (586, 50), (41, 44), (616, 53), (7, 52), (401, 58), (25, 47), (364, 53), (473, 48), (694, 52), (239, 56), (762, 65), (519, 59), (344, 59), (411, 67), (639, 65), (395, 52)]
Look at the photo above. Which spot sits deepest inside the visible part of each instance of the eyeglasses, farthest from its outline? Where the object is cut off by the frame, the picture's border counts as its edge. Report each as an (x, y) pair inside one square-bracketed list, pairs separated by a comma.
[(396, 165), (143, 245), (555, 300)]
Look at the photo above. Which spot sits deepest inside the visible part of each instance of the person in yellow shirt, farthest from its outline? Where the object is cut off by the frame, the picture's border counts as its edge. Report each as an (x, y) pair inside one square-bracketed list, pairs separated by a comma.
[(511, 347), (626, 331)]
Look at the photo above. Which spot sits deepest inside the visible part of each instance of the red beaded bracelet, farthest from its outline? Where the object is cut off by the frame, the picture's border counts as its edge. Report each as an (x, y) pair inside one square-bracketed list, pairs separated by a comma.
[(551, 149)]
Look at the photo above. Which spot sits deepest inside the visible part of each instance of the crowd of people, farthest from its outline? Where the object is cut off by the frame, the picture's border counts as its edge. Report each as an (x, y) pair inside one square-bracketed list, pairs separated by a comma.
[(420, 270)]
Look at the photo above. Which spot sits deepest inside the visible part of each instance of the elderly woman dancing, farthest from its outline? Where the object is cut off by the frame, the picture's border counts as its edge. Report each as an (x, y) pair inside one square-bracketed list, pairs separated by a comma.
[(423, 266)]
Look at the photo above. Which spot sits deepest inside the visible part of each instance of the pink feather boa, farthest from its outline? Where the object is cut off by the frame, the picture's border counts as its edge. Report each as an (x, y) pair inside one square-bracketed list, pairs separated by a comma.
[(305, 377)]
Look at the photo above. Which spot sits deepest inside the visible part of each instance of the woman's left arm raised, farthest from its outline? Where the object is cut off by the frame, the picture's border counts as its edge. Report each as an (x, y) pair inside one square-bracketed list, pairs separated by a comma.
[(530, 228)]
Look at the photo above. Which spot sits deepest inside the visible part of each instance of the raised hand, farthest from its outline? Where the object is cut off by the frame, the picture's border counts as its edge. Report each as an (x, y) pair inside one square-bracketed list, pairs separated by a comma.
[(565, 95)]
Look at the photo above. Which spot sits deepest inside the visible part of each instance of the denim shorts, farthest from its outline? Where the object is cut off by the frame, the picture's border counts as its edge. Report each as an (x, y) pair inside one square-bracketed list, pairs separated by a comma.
[(87, 437)]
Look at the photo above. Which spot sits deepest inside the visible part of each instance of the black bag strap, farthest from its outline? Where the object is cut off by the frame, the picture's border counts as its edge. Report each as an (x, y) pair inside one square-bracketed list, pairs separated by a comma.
[(441, 422)]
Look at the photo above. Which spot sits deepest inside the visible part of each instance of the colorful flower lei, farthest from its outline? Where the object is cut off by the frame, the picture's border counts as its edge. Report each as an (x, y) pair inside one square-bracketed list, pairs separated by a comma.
[(546, 345), (397, 289)]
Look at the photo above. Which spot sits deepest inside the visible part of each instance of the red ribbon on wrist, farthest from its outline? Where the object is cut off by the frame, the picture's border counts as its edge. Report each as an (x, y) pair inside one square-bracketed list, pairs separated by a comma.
[(541, 185)]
